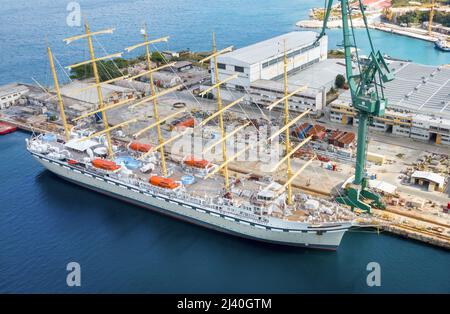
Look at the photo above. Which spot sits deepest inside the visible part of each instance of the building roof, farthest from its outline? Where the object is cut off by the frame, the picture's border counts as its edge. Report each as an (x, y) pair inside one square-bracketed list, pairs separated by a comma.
[(417, 88), (430, 176), (383, 186), (13, 88), (319, 75), (269, 48), (90, 96)]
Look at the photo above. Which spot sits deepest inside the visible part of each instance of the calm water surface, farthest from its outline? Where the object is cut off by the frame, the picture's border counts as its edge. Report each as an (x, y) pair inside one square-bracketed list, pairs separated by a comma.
[(46, 222)]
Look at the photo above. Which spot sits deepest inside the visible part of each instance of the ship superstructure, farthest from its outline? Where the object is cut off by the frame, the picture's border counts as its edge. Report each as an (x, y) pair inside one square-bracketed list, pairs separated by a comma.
[(189, 186)]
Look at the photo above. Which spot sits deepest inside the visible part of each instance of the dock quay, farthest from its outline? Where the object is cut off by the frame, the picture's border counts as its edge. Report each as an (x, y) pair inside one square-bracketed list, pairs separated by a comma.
[(23, 126), (416, 33), (411, 32)]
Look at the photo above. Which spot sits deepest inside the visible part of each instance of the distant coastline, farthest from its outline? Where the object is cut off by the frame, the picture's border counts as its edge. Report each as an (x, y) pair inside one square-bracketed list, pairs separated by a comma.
[(374, 21)]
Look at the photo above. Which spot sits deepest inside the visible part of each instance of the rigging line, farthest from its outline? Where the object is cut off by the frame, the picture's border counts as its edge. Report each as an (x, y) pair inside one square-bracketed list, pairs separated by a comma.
[(246, 114), (62, 68), (190, 93), (155, 48), (282, 140), (114, 63)]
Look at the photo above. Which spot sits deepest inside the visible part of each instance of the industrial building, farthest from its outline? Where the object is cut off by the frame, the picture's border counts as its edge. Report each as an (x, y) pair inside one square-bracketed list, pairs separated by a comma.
[(433, 181), (260, 69), (418, 104), (264, 60), (10, 93), (265, 92)]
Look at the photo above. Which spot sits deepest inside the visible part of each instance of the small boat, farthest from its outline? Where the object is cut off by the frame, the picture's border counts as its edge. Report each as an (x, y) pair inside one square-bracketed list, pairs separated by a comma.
[(442, 45), (139, 147), (6, 128), (197, 163), (105, 164), (163, 182), (186, 123)]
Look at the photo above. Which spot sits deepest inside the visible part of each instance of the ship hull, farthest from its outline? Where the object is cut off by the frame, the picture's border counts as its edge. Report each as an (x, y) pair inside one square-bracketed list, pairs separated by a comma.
[(317, 239), (441, 47)]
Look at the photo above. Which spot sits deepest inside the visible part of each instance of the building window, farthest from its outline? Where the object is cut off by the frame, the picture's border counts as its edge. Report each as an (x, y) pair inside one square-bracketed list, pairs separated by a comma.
[(222, 66), (239, 69), (240, 88)]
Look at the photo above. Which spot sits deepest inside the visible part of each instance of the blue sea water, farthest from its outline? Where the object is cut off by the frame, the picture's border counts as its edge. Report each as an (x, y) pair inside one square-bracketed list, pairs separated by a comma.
[(46, 222)]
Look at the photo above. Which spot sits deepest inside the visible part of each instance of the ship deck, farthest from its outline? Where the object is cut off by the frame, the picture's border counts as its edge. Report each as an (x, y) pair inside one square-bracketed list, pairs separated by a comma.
[(243, 188)]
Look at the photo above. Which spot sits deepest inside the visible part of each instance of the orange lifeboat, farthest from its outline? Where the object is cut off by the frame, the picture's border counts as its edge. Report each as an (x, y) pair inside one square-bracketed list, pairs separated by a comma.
[(140, 147), (105, 164), (163, 182), (188, 123), (197, 163)]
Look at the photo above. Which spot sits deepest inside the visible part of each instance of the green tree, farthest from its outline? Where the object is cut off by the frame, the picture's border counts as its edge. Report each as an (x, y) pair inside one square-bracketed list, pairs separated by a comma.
[(340, 81), (106, 69), (158, 58)]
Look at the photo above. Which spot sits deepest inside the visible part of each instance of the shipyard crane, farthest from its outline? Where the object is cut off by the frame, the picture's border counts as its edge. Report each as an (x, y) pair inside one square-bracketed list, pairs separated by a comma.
[(368, 99)]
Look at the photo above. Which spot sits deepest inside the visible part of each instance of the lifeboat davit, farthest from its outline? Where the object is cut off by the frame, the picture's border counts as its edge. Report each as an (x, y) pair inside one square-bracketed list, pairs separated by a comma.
[(163, 182), (140, 147), (105, 164), (197, 163)]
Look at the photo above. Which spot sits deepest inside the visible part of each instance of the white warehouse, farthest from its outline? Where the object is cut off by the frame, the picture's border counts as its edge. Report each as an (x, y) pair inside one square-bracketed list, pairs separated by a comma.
[(264, 60)]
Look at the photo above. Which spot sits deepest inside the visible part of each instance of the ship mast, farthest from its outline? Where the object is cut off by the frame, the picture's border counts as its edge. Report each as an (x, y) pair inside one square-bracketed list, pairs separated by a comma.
[(217, 85), (93, 61), (219, 107), (58, 93), (286, 121), (289, 152), (153, 92), (99, 88)]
